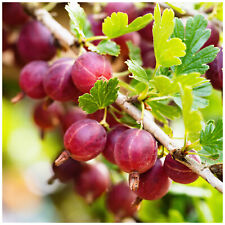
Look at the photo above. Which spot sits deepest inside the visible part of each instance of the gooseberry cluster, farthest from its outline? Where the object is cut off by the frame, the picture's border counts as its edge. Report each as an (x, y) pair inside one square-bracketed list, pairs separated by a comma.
[(57, 85)]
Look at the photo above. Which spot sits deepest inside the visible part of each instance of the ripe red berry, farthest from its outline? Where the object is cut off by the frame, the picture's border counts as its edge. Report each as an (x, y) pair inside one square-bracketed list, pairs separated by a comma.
[(35, 42), (13, 14), (58, 82), (85, 139), (31, 79), (120, 201), (66, 171), (71, 116), (215, 71), (112, 138), (125, 7), (47, 118), (92, 181), (135, 152), (154, 183), (146, 32), (179, 172), (88, 68), (134, 37), (214, 37)]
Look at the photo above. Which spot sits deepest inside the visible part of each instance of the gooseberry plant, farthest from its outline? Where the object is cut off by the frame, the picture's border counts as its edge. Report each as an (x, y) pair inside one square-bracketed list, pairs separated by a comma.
[(175, 88)]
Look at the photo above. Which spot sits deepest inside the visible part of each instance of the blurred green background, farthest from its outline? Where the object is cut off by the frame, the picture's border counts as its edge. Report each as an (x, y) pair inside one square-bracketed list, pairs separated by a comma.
[(27, 164)]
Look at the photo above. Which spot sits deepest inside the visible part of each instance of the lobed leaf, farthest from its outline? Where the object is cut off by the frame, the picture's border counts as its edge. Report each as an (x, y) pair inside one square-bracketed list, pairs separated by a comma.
[(192, 119), (211, 140), (78, 18), (101, 95), (196, 35), (117, 24), (167, 50)]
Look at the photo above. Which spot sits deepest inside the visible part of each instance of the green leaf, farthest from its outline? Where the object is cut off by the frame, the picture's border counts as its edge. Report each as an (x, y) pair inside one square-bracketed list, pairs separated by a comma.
[(196, 35), (163, 110), (117, 24), (210, 159), (78, 17), (164, 85), (138, 72), (101, 95), (199, 94), (170, 87), (134, 53), (106, 47), (167, 86), (192, 119), (178, 29), (211, 138), (167, 50)]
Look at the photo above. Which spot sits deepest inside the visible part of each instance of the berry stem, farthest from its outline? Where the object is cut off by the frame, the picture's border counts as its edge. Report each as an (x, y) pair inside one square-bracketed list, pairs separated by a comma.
[(103, 122), (115, 110), (156, 68), (62, 158), (95, 38), (142, 114), (18, 97), (121, 74), (114, 116), (159, 98), (127, 86), (134, 181)]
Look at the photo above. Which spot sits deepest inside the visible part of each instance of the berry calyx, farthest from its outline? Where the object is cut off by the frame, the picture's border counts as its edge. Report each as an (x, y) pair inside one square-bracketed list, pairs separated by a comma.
[(66, 171)]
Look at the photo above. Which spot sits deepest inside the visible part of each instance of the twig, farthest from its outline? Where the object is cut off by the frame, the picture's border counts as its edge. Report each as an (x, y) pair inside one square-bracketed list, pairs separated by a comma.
[(66, 39)]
